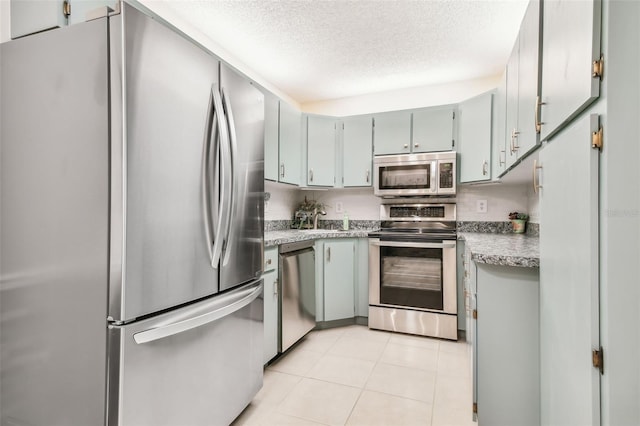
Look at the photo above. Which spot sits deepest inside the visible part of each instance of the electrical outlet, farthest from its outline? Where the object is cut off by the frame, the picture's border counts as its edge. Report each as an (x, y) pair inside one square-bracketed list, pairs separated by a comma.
[(339, 207), (481, 206)]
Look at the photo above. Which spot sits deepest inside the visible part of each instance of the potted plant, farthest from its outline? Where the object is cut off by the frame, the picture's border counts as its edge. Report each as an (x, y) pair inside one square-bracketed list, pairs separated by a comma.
[(519, 222)]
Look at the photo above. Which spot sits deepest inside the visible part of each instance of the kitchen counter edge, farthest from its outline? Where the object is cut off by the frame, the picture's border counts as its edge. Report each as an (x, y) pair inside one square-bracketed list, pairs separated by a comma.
[(520, 250), (275, 238)]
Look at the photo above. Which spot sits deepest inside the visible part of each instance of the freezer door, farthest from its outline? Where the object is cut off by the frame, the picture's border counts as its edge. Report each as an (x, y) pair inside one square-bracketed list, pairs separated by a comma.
[(162, 125), (54, 207), (200, 365), (243, 250)]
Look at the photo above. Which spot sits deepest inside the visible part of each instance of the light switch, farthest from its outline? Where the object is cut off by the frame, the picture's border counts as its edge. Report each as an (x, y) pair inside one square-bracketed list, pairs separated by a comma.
[(481, 206)]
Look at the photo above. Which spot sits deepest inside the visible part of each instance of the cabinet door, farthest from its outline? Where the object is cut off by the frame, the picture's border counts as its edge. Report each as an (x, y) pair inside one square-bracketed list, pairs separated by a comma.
[(32, 16), (392, 133), (432, 129), (528, 79), (571, 42), (270, 137), (339, 280), (270, 315), (290, 128), (512, 106), (498, 134), (569, 314), (475, 138), (321, 151), (357, 142)]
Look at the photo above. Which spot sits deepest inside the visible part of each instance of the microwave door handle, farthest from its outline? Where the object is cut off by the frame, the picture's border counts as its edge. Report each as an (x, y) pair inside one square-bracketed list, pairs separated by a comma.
[(434, 184), (448, 244)]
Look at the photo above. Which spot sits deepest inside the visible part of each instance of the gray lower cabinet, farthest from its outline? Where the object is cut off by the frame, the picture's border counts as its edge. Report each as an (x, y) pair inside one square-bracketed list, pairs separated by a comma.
[(339, 280), (506, 345), (270, 295), (342, 279)]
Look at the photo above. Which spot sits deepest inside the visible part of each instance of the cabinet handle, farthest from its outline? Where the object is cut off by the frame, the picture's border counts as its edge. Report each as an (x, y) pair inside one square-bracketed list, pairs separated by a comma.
[(328, 254), (536, 182), (539, 123), (275, 287), (416, 145), (406, 146), (311, 175), (514, 136), (484, 168), (268, 262), (367, 176), (502, 163), (281, 169)]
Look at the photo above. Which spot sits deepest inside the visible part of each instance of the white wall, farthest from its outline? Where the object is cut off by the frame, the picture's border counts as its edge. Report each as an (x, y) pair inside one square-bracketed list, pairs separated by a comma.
[(415, 97), (282, 202), (502, 199)]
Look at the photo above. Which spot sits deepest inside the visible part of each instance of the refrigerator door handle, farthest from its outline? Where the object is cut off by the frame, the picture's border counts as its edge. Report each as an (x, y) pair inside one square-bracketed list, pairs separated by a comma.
[(231, 228), (225, 199), (206, 187), (238, 301)]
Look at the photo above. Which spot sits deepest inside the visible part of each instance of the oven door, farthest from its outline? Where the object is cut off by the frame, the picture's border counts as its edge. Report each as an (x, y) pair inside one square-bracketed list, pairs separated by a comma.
[(405, 177), (411, 274)]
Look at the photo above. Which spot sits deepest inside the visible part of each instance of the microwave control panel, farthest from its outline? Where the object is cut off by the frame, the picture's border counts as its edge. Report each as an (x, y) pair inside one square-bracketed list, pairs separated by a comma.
[(446, 178)]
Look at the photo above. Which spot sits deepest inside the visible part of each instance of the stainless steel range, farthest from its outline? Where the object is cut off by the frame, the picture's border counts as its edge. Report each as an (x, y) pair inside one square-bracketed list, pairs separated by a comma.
[(412, 269)]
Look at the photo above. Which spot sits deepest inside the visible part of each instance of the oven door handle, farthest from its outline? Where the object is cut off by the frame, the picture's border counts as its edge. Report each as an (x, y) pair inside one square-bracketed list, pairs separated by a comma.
[(448, 244)]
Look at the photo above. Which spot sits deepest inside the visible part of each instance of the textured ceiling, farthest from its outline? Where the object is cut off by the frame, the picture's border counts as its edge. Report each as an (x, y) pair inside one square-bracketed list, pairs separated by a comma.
[(329, 49)]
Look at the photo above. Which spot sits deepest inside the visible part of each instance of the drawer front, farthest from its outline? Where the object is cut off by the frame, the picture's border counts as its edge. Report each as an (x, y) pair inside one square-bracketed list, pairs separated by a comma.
[(271, 259)]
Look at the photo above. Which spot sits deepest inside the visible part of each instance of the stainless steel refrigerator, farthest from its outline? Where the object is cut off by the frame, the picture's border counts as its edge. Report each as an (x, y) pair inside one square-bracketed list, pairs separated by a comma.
[(131, 228)]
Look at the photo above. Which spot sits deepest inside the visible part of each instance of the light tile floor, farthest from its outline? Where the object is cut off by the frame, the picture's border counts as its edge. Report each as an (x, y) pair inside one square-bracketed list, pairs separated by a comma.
[(356, 376)]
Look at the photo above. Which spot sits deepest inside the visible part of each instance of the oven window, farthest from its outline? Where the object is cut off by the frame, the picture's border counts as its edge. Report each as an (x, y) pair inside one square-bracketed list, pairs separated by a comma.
[(411, 277), (405, 177)]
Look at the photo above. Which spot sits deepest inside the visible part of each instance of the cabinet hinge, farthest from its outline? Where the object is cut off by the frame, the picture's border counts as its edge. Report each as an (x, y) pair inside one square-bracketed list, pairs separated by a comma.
[(597, 69), (475, 314), (475, 408), (596, 139), (66, 9), (597, 358)]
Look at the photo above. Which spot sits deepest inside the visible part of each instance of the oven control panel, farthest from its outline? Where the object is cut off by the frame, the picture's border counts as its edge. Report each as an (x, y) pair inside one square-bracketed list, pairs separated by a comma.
[(417, 211)]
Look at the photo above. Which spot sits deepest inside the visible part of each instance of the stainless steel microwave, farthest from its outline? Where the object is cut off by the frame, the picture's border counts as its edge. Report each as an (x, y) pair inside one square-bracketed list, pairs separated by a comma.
[(426, 174)]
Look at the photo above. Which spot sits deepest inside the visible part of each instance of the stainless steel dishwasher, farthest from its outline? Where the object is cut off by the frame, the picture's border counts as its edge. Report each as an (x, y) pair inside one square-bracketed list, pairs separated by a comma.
[(297, 292)]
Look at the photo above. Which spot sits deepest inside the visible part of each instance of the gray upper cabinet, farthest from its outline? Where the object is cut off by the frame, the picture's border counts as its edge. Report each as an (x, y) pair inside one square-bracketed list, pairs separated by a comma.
[(475, 138), (32, 16), (392, 133), (433, 129), (523, 87), (290, 133), (498, 133), (357, 151), (571, 44), (270, 137), (321, 150)]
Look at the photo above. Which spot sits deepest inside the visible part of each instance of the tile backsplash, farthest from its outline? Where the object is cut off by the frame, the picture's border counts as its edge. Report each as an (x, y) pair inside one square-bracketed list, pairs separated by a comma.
[(361, 204)]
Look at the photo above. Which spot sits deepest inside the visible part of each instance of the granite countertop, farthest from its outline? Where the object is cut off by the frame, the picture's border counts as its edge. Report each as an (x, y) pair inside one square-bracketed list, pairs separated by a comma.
[(502, 249), (274, 238)]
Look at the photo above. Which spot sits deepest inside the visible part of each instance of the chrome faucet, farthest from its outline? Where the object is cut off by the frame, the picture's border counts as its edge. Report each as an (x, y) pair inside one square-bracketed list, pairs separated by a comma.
[(317, 213)]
